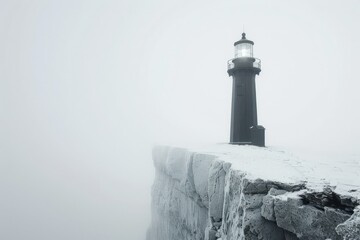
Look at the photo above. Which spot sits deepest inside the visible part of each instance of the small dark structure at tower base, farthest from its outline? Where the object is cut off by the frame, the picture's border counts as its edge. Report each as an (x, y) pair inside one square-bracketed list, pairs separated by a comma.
[(243, 68)]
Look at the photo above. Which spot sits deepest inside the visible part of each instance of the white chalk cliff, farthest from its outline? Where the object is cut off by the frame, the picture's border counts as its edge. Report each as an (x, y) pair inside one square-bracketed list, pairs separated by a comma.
[(230, 192)]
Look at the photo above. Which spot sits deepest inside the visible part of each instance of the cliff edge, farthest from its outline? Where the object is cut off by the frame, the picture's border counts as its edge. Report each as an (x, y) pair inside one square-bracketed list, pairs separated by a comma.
[(228, 192)]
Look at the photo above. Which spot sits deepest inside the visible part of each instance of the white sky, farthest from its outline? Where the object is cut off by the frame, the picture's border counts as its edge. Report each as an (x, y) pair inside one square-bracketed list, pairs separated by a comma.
[(87, 87)]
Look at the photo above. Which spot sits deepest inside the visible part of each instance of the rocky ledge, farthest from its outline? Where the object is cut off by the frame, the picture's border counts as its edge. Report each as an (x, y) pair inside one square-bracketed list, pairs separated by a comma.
[(243, 192)]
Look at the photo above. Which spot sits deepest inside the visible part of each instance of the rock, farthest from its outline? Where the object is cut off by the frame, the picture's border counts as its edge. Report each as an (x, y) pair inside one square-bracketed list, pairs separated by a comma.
[(254, 186), (231, 227), (267, 209), (216, 185), (242, 211), (349, 201), (200, 171), (290, 236), (350, 229), (328, 198), (256, 227), (212, 234), (217, 225), (305, 220)]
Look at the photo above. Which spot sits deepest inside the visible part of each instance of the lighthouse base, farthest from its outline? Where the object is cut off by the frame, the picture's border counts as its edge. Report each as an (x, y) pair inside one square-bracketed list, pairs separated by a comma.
[(241, 143), (257, 134)]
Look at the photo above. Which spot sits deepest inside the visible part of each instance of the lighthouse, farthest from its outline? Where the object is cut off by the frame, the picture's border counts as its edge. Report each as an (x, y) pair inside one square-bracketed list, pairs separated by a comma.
[(243, 68)]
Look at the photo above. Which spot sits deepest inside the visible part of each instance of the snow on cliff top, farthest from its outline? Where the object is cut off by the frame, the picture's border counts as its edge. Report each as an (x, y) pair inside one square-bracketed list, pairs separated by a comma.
[(341, 171)]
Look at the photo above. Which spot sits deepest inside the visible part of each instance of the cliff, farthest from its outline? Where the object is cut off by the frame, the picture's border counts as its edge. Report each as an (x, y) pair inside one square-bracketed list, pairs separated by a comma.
[(230, 192)]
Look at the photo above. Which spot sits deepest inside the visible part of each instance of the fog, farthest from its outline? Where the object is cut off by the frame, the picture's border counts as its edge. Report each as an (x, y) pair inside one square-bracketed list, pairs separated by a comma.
[(88, 87)]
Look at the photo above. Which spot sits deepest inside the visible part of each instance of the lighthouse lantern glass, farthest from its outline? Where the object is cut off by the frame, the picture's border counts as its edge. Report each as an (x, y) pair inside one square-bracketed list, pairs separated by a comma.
[(244, 50)]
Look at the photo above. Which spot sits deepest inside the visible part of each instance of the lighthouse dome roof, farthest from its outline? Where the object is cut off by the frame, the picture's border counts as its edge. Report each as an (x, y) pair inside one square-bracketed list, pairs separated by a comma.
[(243, 40)]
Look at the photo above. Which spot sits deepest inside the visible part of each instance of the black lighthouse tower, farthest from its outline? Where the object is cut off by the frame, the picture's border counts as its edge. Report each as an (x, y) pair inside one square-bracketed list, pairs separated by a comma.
[(243, 68)]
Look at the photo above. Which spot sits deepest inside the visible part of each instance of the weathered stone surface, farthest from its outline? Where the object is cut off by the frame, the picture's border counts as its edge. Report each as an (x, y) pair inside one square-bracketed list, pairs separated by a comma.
[(201, 165), (261, 186), (257, 227), (254, 186), (267, 209), (175, 215), (350, 230), (349, 201), (306, 221), (290, 236), (212, 234), (233, 212), (254, 225), (242, 211), (328, 198), (216, 190)]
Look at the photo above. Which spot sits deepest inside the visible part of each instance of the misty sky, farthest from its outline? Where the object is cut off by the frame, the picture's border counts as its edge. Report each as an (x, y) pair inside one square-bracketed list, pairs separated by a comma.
[(88, 87)]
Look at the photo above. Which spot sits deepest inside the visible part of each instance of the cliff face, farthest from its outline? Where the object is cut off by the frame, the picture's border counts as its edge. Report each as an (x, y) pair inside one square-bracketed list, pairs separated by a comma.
[(229, 194)]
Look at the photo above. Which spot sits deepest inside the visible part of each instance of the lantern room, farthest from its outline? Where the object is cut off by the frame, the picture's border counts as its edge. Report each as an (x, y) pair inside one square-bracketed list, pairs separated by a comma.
[(244, 47)]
